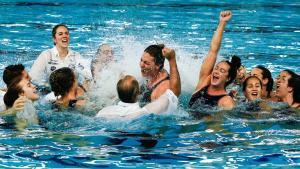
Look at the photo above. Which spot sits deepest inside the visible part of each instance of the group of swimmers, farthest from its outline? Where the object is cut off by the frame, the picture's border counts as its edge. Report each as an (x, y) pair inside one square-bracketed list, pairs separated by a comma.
[(69, 77)]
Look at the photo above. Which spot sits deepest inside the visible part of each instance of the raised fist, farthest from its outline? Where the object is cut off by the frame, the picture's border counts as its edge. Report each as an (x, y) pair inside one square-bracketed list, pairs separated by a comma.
[(168, 53), (225, 16)]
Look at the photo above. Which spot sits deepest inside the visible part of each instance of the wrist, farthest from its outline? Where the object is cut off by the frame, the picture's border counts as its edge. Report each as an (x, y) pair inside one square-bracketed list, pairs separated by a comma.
[(172, 61), (222, 22)]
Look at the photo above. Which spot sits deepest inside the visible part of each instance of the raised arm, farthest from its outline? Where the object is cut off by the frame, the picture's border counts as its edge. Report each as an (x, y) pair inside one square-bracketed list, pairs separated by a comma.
[(175, 83), (210, 60)]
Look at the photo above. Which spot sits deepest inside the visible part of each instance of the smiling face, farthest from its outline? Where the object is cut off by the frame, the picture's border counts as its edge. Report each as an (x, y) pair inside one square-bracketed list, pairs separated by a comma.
[(241, 73), (61, 37), (148, 66), (253, 89), (282, 89), (29, 90), (220, 74)]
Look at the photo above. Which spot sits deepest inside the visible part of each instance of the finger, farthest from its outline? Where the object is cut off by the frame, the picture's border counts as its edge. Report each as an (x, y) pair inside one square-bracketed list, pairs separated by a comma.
[(19, 105)]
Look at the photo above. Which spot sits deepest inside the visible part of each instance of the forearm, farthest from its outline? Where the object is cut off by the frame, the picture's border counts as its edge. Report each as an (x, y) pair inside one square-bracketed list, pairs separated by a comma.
[(217, 38), (210, 60), (175, 82), (8, 112)]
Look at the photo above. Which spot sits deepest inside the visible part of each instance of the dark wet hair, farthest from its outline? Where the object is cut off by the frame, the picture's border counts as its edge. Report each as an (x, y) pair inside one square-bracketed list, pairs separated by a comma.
[(54, 29), (247, 79), (156, 52), (128, 89), (61, 81), (11, 72), (267, 74), (12, 93), (294, 82), (234, 65)]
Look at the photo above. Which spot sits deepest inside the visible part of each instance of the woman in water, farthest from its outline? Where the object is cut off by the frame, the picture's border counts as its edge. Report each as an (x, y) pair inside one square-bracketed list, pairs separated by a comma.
[(213, 79), (252, 88), (66, 89), (265, 77), (22, 88), (57, 57), (288, 89), (152, 68)]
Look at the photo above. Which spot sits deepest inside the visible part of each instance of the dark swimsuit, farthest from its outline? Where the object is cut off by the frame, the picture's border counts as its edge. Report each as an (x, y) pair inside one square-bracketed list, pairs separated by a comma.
[(147, 91), (202, 97), (72, 103)]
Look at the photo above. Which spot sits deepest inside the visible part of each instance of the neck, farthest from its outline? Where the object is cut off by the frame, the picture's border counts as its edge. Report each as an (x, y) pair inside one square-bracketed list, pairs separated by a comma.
[(71, 95), (288, 99), (217, 89), (62, 52), (156, 77), (264, 93)]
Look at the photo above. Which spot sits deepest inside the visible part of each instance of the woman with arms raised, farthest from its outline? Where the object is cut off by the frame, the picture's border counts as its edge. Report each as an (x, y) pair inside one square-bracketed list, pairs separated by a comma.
[(213, 79)]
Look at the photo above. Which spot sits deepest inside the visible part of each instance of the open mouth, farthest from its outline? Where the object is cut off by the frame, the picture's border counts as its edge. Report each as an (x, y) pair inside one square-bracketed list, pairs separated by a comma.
[(65, 40), (215, 78), (277, 87), (145, 70), (254, 94)]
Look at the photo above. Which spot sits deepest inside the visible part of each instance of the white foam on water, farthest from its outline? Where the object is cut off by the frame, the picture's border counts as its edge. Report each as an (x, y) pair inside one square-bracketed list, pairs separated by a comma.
[(127, 53)]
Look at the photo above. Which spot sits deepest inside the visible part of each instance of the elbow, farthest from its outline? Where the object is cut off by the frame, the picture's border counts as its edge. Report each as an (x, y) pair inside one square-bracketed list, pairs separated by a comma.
[(176, 91)]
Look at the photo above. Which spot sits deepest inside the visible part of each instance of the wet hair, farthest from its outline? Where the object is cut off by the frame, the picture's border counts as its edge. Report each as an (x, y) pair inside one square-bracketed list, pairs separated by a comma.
[(54, 29), (234, 65), (247, 79), (13, 92), (11, 72), (128, 89), (267, 74), (294, 82), (61, 81), (156, 52)]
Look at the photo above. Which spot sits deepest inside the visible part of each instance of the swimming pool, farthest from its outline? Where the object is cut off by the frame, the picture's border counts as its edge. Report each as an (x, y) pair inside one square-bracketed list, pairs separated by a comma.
[(260, 32)]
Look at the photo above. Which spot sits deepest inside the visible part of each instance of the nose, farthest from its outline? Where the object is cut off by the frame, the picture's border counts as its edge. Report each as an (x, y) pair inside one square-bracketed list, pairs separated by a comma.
[(142, 65)]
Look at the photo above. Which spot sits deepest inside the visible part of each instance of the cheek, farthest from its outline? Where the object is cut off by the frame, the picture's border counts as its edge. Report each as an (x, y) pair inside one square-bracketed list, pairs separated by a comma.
[(248, 91)]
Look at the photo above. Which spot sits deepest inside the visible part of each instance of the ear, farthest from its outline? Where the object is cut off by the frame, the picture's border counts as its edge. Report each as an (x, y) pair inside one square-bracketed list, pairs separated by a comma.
[(22, 94), (290, 89), (54, 41), (157, 67)]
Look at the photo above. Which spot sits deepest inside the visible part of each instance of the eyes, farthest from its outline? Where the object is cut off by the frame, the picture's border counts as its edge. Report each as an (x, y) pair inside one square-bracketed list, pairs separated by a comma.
[(145, 62), (29, 84), (257, 85), (222, 70), (282, 78), (61, 33)]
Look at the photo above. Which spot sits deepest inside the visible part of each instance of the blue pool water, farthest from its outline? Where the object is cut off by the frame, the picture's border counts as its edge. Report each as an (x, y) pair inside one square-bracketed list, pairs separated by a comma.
[(260, 32)]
